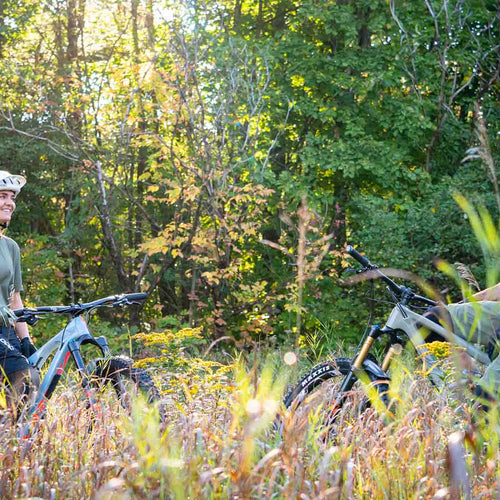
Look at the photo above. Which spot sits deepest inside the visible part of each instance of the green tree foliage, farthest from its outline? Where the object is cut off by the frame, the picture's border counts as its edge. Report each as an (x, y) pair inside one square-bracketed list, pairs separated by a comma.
[(219, 154)]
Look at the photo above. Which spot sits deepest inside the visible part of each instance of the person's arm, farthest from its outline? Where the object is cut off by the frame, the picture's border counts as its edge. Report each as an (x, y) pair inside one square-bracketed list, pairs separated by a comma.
[(21, 328), (492, 293)]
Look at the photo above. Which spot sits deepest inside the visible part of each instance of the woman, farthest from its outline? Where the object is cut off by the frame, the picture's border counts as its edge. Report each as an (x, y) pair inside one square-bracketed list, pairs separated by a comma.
[(15, 343)]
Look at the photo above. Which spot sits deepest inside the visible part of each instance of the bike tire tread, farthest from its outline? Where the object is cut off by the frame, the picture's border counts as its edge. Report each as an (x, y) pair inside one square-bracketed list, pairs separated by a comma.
[(107, 370)]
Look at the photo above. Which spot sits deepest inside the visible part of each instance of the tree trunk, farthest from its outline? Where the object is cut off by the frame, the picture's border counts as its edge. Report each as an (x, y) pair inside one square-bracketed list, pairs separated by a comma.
[(237, 16), (72, 32), (2, 27), (364, 34), (109, 239)]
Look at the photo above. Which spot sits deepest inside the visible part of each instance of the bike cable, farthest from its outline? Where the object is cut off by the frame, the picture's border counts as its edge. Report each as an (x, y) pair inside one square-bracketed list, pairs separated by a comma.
[(371, 301)]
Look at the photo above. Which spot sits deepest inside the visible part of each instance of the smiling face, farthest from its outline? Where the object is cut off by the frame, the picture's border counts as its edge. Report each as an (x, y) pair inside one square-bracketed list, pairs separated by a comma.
[(7, 206)]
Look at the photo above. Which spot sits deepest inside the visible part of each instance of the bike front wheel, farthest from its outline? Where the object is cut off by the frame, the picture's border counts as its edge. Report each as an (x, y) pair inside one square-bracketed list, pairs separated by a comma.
[(127, 381), (319, 390)]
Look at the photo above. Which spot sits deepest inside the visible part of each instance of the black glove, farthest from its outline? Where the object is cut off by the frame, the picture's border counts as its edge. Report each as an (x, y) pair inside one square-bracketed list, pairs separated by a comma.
[(27, 348)]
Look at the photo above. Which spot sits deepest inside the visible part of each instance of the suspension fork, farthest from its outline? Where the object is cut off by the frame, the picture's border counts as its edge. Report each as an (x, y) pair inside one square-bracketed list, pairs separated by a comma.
[(351, 378), (357, 364), (394, 350), (74, 349)]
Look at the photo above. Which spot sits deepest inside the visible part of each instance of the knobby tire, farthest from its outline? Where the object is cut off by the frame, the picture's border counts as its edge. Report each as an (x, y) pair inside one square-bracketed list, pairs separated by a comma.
[(122, 375), (314, 379)]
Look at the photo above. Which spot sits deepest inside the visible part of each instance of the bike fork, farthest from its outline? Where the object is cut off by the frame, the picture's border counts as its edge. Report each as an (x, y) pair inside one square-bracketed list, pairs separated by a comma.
[(351, 378), (394, 350), (360, 358), (80, 365)]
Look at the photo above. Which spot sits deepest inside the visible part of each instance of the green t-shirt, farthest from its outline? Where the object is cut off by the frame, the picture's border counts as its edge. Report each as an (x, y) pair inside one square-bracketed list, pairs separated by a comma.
[(10, 271)]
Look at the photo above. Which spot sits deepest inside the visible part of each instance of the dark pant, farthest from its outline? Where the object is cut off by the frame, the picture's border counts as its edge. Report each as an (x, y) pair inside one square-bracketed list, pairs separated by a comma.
[(19, 375), (11, 359)]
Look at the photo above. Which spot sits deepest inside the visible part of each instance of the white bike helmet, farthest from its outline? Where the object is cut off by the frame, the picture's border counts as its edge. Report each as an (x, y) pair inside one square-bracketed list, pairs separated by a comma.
[(9, 182)]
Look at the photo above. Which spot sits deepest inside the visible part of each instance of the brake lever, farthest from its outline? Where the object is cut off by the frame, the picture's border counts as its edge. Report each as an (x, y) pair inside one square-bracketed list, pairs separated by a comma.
[(125, 302), (357, 270), (31, 320)]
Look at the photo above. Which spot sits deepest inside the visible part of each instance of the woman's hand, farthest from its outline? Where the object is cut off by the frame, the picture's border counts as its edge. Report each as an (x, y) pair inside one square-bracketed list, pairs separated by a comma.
[(27, 347)]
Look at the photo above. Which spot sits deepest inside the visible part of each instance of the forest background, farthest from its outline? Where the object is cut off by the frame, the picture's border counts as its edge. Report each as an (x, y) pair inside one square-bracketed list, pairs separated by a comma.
[(220, 154)]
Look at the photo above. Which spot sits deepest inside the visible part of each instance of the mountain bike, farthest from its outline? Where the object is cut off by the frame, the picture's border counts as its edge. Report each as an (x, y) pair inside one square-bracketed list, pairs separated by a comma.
[(405, 324), (118, 371)]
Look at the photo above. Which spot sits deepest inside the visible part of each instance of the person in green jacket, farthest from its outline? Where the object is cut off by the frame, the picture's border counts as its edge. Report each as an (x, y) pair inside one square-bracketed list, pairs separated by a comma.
[(15, 342)]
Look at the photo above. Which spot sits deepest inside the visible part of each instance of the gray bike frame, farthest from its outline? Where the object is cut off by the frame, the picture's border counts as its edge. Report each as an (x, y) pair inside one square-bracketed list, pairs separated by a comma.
[(64, 345), (411, 323)]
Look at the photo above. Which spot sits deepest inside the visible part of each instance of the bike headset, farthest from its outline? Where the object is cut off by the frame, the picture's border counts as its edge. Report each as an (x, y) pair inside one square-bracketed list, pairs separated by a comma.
[(10, 182)]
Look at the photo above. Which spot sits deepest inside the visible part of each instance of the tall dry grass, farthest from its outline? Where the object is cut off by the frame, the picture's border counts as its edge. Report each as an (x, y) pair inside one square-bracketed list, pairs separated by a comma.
[(221, 445), (218, 439)]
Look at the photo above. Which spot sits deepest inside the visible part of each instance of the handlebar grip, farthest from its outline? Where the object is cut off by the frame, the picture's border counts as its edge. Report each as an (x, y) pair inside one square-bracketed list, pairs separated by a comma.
[(136, 296), (356, 255)]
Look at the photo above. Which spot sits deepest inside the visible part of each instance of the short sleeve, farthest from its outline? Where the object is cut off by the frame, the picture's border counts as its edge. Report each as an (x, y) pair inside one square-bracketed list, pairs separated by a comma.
[(18, 281)]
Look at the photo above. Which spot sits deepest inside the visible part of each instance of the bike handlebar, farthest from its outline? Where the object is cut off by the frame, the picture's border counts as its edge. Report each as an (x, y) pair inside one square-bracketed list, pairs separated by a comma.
[(356, 255), (425, 300), (77, 309), (398, 290), (136, 296), (368, 265)]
